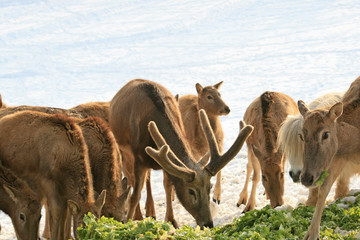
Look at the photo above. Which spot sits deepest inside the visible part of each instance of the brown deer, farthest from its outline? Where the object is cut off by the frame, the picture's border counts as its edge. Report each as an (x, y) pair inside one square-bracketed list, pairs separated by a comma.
[(21, 204), (101, 110), (106, 165), (210, 100), (266, 113), (49, 152), (331, 142), (132, 108)]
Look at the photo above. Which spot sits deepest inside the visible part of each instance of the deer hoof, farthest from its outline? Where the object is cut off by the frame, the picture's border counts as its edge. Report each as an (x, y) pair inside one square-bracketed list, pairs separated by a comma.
[(216, 201)]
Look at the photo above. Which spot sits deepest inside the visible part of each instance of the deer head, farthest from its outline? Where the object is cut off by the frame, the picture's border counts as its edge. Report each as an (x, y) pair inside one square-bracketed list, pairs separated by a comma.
[(320, 140), (210, 100), (192, 183)]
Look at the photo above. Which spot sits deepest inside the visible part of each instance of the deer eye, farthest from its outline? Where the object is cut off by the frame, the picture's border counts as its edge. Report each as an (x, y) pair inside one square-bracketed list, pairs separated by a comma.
[(301, 137), (325, 135), (22, 217), (191, 192), (264, 178), (209, 97)]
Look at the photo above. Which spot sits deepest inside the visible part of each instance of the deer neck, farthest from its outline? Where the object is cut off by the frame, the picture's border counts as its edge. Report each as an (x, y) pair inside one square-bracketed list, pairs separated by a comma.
[(348, 139)]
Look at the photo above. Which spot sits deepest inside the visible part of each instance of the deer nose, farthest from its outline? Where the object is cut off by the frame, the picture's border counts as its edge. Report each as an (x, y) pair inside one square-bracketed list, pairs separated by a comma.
[(307, 179), (295, 176), (209, 224), (227, 109)]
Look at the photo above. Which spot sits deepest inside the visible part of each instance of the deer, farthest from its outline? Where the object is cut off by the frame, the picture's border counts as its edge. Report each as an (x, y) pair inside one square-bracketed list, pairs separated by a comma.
[(210, 100), (2, 104), (143, 114), (21, 203), (104, 155), (49, 152), (101, 110), (266, 113), (106, 169), (331, 137)]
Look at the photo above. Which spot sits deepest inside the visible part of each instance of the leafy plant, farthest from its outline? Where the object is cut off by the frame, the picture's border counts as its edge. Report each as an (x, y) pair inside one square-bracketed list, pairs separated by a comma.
[(337, 223)]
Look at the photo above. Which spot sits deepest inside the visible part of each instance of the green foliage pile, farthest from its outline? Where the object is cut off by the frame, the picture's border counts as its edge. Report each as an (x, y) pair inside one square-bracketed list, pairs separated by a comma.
[(338, 222)]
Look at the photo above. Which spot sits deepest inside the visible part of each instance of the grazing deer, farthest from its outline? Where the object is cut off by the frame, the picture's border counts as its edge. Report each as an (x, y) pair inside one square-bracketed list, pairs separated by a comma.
[(50, 153), (266, 113), (105, 163), (210, 100), (21, 203), (141, 102), (331, 139), (101, 110)]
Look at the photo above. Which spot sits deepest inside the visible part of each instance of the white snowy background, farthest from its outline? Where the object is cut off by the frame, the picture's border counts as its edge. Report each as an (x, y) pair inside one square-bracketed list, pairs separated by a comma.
[(63, 53)]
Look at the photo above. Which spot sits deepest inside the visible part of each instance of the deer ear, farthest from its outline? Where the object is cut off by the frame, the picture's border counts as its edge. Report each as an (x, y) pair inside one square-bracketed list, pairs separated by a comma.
[(10, 191), (1, 103), (335, 111), (177, 97), (303, 108), (199, 88), (100, 201), (73, 206), (218, 85), (256, 151)]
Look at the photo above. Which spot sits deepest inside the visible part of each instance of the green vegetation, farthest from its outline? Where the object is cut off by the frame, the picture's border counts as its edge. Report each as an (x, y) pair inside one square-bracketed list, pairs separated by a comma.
[(338, 222), (322, 178)]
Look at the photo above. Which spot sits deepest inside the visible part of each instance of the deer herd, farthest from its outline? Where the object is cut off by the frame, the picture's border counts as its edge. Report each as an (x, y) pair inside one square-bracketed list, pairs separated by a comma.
[(96, 157)]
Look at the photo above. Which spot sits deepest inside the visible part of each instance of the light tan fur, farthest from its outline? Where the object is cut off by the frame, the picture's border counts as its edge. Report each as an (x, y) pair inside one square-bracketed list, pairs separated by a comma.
[(21, 203), (132, 108), (331, 141), (2, 104), (49, 152), (94, 109), (210, 100), (266, 113)]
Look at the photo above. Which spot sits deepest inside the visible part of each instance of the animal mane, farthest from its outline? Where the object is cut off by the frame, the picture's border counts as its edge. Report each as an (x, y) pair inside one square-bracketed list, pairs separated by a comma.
[(269, 128), (160, 102)]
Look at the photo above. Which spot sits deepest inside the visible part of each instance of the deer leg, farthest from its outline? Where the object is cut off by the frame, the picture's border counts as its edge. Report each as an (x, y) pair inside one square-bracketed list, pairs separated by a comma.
[(169, 215), (314, 229), (244, 193), (149, 205), (217, 189), (313, 197), (138, 214), (68, 225), (342, 184), (57, 219), (255, 180), (46, 231), (138, 186)]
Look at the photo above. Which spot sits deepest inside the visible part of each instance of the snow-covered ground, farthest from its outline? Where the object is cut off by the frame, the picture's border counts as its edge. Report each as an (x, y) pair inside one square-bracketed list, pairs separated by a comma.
[(63, 53)]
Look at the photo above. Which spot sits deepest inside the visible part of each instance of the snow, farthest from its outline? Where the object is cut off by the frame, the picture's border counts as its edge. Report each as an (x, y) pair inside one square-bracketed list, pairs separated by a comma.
[(63, 53)]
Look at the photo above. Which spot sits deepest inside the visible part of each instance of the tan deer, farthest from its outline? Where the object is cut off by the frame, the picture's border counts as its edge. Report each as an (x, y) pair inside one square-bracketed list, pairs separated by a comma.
[(266, 113), (50, 153), (132, 108), (210, 100), (21, 204), (331, 141)]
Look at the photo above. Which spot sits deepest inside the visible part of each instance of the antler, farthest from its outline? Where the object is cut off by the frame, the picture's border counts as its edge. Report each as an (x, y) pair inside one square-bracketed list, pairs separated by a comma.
[(165, 156), (217, 161)]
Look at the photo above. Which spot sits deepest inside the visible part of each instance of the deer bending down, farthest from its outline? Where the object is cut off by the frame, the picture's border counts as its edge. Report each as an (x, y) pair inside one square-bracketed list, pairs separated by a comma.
[(132, 108), (21, 204), (106, 165), (210, 100), (266, 113), (49, 152), (331, 141), (101, 110)]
